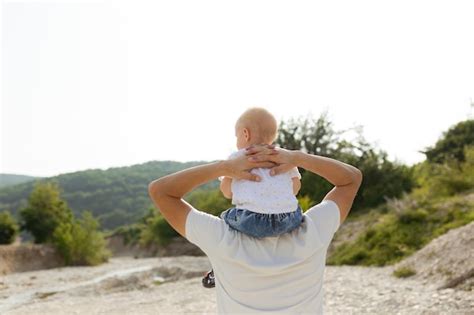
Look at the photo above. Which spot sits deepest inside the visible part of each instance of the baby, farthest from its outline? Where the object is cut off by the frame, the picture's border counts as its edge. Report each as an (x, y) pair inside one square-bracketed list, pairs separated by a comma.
[(267, 207)]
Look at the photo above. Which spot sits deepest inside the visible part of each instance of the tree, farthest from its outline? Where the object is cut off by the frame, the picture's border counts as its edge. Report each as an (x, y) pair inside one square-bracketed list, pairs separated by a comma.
[(79, 241), (314, 136), (157, 230), (45, 211), (451, 144), (435, 180), (8, 228), (382, 178)]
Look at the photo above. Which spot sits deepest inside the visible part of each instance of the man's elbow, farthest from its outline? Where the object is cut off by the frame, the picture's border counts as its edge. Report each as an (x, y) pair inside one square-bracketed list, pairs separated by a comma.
[(154, 189), (359, 173), (358, 176)]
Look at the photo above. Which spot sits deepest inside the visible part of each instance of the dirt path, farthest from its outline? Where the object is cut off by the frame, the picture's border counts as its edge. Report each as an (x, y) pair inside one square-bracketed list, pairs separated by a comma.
[(173, 285)]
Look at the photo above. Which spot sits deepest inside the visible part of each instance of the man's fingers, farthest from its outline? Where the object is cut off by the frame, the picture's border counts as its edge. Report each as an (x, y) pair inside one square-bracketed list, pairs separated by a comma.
[(260, 158), (257, 152), (261, 148), (266, 164), (277, 170)]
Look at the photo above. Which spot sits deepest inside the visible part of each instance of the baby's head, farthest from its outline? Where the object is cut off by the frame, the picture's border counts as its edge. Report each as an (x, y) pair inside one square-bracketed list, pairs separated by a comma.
[(255, 126)]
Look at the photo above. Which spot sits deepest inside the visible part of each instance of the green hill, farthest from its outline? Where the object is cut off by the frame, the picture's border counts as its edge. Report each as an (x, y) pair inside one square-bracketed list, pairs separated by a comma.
[(14, 179), (117, 196), (395, 230)]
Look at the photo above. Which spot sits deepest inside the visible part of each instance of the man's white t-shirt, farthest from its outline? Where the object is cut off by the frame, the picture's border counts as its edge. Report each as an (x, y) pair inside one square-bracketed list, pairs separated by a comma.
[(272, 194), (277, 275)]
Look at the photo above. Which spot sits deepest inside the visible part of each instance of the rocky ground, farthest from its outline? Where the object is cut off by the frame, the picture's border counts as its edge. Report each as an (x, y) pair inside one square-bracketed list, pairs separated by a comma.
[(173, 285), (447, 261), (26, 257), (443, 282)]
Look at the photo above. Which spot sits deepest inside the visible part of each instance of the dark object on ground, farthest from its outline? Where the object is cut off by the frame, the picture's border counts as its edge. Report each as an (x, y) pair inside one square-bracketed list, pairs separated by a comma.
[(209, 281)]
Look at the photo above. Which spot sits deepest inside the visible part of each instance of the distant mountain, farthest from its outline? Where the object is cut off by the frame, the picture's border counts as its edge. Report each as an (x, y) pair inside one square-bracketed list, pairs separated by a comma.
[(116, 196), (13, 179)]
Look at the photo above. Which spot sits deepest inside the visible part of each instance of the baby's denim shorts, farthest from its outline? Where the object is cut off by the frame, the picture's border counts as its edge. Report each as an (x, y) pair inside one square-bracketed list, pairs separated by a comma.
[(262, 224)]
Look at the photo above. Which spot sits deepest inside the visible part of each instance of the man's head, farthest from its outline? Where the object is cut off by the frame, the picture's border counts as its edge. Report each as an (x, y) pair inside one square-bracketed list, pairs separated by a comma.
[(255, 126)]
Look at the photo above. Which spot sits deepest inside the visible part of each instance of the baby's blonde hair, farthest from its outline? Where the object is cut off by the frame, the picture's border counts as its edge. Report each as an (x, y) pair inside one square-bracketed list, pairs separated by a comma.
[(261, 123)]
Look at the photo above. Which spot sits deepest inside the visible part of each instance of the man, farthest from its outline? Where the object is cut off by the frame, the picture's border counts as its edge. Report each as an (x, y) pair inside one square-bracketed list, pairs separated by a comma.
[(282, 274)]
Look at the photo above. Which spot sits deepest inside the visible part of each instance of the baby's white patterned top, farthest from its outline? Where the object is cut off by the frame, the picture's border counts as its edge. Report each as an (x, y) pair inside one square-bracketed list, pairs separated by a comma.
[(272, 194)]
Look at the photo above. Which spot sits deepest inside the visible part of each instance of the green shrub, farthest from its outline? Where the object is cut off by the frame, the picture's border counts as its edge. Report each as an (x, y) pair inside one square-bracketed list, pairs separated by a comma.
[(404, 272), (79, 242), (305, 203), (452, 143), (8, 228), (157, 230), (399, 234), (152, 228), (317, 135), (457, 215), (212, 201), (439, 206), (130, 234), (45, 211), (417, 216), (436, 181)]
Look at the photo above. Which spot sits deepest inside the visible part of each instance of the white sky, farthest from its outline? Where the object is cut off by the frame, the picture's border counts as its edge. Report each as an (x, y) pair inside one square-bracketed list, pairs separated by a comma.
[(103, 84)]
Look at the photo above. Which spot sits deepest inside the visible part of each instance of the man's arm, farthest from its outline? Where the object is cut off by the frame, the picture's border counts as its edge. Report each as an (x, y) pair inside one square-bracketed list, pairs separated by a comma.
[(225, 187), (167, 192), (346, 178)]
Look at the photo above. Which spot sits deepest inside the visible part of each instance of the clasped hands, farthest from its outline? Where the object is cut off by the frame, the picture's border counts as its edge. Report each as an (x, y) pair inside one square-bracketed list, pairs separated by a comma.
[(279, 160)]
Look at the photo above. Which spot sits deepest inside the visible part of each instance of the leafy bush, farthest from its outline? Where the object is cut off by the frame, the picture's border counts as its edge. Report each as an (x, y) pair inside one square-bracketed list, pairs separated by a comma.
[(382, 177), (79, 242), (157, 230), (440, 207), (452, 144), (8, 228), (404, 272), (152, 228), (436, 180), (400, 233), (45, 211), (305, 203), (417, 216), (211, 201), (130, 234)]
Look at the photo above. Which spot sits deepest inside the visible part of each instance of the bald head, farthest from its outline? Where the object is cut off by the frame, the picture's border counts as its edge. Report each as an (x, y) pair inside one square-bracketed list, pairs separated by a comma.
[(261, 123)]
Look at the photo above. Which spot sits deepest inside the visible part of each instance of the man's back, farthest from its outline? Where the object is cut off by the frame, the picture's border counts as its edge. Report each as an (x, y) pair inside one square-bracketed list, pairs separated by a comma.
[(282, 274)]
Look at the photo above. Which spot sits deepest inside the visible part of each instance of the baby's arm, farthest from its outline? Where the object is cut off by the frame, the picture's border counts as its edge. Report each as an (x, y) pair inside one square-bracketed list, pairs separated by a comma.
[(296, 178), (296, 185), (225, 187)]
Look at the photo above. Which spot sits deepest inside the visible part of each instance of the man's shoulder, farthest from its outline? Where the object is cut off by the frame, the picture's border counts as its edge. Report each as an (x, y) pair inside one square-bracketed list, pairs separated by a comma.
[(203, 229), (326, 217)]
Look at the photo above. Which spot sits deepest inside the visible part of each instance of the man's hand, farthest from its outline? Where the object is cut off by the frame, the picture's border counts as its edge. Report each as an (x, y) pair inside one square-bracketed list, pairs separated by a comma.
[(239, 168), (281, 157)]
